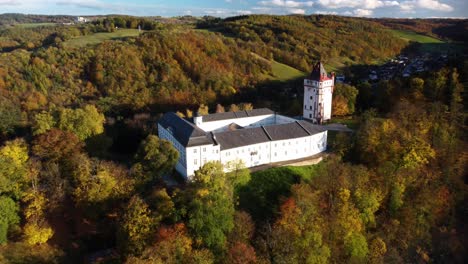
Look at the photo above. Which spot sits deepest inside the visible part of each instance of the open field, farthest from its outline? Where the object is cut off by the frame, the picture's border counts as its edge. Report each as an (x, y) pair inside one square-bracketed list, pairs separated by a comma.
[(413, 36), (429, 44), (283, 72), (34, 25), (100, 37)]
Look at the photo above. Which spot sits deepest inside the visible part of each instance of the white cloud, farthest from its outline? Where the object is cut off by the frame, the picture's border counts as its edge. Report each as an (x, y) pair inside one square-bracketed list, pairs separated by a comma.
[(9, 2), (362, 12), (296, 11), (363, 4), (287, 3), (244, 12), (411, 6), (323, 12), (91, 4)]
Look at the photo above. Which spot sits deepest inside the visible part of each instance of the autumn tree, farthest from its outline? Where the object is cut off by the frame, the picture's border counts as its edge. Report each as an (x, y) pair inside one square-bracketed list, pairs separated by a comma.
[(136, 227), (344, 99), (172, 245), (36, 230), (297, 236), (203, 110), (56, 144), (14, 169)]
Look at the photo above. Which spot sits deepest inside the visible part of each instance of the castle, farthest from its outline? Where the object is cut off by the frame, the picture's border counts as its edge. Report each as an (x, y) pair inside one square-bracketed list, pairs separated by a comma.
[(255, 137)]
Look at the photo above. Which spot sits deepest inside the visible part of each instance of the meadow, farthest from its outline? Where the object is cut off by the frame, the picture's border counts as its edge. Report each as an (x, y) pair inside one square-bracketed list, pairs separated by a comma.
[(100, 37)]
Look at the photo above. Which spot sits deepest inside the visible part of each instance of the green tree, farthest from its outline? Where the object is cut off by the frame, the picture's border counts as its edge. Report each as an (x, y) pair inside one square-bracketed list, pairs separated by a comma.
[(356, 247), (211, 207), (8, 216), (43, 122), (154, 158), (84, 123), (10, 115)]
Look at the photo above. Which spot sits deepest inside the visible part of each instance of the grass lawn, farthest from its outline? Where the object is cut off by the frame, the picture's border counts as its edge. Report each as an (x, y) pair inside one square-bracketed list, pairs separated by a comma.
[(429, 44), (100, 37), (416, 37), (351, 122), (283, 72), (34, 25)]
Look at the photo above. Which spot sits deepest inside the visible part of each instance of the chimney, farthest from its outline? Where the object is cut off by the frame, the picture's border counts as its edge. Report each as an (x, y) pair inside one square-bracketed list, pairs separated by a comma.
[(197, 119)]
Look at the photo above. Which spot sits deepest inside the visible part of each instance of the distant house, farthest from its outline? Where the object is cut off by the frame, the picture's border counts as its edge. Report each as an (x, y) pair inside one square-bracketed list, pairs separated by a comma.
[(81, 19)]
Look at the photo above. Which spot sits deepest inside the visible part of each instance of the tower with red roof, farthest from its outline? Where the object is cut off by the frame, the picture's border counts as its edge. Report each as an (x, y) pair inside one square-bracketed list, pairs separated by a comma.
[(318, 91)]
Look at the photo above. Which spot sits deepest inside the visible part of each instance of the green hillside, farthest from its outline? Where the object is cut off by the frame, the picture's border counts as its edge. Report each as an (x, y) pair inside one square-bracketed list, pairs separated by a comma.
[(413, 36), (97, 38), (284, 72)]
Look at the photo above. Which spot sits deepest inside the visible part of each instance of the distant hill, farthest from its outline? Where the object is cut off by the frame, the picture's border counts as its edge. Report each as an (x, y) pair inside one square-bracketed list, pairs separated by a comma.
[(12, 19), (449, 29), (299, 40)]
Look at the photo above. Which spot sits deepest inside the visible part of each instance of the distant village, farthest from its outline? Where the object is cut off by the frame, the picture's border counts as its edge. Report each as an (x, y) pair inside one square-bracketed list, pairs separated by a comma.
[(405, 66)]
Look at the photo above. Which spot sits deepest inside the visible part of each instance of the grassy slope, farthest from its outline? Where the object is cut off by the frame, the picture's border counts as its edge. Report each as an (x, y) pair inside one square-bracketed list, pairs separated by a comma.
[(413, 36), (283, 72), (429, 44), (34, 25), (100, 37)]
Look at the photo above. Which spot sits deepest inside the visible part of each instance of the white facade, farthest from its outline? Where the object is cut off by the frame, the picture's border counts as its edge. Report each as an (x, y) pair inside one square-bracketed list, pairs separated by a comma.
[(312, 140), (318, 91)]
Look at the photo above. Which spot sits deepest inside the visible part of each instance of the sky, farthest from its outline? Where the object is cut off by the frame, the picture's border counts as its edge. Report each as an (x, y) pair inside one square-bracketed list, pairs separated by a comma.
[(225, 8)]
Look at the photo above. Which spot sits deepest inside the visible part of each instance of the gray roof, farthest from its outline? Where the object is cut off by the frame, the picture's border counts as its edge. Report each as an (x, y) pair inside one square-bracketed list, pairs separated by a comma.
[(184, 131), (249, 136), (190, 135), (318, 72), (286, 131), (241, 137), (239, 114)]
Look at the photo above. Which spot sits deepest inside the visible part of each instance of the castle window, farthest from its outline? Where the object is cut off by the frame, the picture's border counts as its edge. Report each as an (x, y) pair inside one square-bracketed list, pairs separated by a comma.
[(195, 161), (310, 115), (311, 97), (310, 107)]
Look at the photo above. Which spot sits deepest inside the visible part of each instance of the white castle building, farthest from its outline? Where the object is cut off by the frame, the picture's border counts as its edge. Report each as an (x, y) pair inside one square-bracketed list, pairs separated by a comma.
[(255, 137)]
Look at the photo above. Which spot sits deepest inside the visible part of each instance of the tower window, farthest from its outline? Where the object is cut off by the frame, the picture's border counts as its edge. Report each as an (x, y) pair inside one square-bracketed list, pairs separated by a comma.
[(310, 107), (311, 98)]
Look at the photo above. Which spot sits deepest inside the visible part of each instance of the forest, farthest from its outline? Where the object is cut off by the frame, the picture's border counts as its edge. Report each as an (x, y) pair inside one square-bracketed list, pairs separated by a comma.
[(82, 170)]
